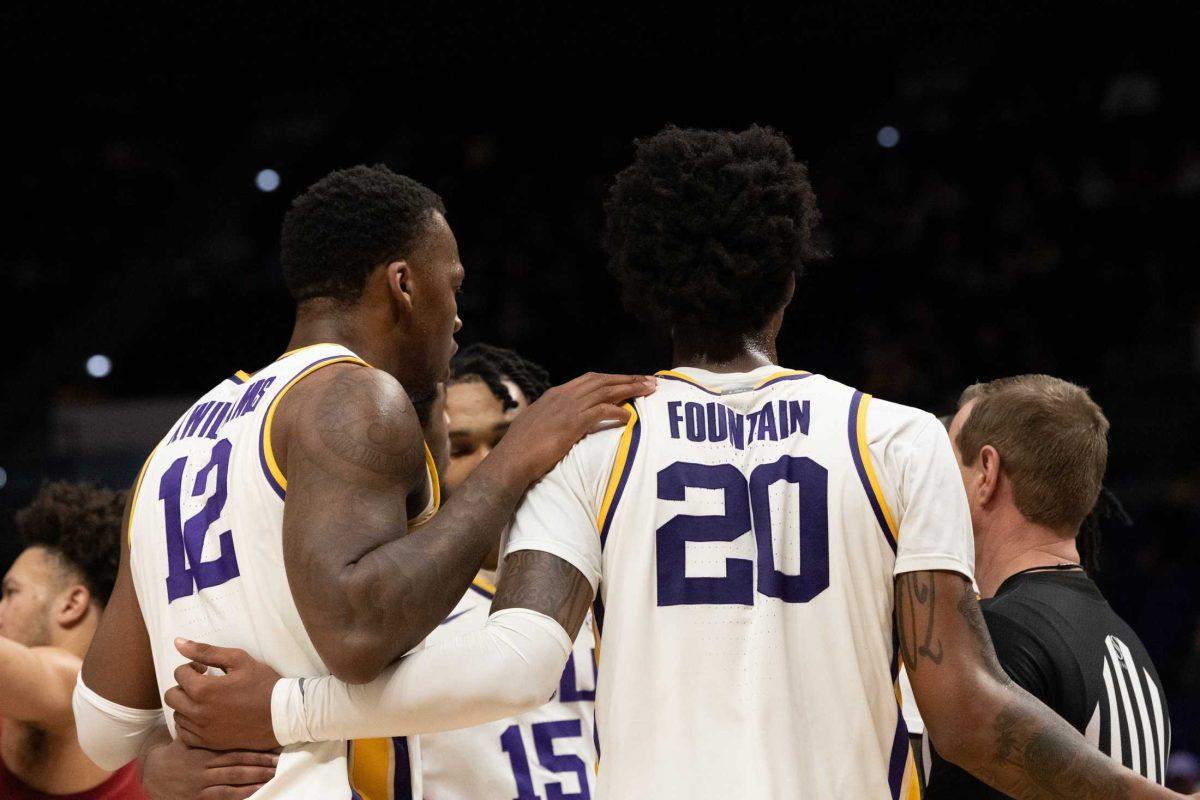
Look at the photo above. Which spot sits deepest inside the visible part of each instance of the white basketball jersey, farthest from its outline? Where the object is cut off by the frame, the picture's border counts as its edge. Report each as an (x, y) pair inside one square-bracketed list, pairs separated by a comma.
[(744, 531), (206, 549), (547, 752)]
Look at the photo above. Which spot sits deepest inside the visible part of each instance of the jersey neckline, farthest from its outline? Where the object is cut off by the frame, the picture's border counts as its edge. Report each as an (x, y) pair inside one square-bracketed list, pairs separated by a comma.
[(732, 382), (1073, 579)]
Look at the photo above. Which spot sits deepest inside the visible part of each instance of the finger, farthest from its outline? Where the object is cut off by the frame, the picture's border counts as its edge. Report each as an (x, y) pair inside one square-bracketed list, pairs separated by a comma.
[(238, 776), (225, 658), (189, 680), (178, 700), (617, 391), (593, 380), (188, 733), (604, 417), (245, 758)]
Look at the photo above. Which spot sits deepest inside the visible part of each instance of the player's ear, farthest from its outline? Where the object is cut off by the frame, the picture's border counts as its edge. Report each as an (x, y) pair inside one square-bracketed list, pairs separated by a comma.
[(989, 473), (72, 605), (399, 283)]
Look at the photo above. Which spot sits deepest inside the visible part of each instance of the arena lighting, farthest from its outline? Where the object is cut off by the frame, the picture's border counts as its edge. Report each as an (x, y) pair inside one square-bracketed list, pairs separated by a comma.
[(98, 366), (267, 180), (888, 137), (3, 477)]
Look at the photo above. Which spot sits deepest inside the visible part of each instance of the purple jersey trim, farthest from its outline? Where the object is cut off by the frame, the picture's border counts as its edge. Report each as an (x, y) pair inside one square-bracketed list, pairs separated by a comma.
[(852, 432), (262, 431), (634, 438), (402, 770), (482, 591), (782, 378)]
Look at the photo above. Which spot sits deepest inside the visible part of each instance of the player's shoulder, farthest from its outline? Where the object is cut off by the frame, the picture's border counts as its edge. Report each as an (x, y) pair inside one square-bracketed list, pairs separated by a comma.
[(355, 393), (358, 413), (897, 419), (885, 421), (599, 448)]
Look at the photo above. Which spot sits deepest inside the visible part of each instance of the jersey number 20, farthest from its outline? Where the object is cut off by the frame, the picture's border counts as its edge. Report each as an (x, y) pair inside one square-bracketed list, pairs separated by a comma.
[(185, 540), (747, 506)]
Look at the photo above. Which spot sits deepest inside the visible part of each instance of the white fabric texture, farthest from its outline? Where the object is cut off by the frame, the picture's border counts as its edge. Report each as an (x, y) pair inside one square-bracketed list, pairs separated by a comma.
[(508, 667), (110, 734), (739, 534)]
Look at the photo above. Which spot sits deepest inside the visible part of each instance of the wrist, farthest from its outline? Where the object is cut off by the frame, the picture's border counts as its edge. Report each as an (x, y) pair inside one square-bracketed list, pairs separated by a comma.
[(288, 711), (508, 468)]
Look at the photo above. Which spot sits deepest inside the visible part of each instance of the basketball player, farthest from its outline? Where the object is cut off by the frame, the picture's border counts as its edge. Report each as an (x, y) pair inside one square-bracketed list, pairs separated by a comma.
[(307, 475), (550, 750), (53, 599), (1033, 450), (761, 545)]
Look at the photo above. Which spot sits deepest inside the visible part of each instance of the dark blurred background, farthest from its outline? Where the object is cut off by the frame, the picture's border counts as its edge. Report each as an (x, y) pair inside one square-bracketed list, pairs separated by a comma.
[(1006, 189)]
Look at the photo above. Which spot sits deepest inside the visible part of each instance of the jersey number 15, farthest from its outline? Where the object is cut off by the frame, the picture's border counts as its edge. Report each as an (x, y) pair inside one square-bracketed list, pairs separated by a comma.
[(747, 507)]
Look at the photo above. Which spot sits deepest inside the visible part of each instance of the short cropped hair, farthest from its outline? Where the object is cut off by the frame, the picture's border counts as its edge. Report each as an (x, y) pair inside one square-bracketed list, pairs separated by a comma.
[(80, 525), (347, 224), (1052, 439)]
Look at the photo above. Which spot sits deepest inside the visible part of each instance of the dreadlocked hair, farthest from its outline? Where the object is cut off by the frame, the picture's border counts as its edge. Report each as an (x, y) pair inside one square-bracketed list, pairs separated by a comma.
[(493, 365)]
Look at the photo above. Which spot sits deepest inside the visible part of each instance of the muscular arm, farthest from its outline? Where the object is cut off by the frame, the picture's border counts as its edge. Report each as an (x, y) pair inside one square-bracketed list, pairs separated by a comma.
[(36, 684), (510, 666), (119, 665), (978, 718), (116, 704), (353, 449), (547, 584)]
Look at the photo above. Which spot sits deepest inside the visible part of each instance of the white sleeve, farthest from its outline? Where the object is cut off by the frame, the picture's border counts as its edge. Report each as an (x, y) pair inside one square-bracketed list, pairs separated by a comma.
[(558, 515), (510, 666), (111, 735), (919, 467)]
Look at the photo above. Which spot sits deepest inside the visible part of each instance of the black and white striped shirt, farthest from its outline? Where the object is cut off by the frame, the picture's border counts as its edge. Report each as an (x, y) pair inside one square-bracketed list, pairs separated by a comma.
[(1058, 638)]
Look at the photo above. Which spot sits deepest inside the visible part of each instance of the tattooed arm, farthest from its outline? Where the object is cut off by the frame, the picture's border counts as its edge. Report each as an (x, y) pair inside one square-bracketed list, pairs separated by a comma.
[(510, 666), (978, 718), (547, 584), (352, 446)]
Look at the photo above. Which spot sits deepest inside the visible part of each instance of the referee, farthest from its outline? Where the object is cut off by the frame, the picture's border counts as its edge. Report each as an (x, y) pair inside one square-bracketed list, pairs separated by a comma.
[(1032, 450)]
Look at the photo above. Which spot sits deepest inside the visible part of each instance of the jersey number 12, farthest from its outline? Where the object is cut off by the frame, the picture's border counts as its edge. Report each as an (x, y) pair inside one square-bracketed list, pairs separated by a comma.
[(185, 540)]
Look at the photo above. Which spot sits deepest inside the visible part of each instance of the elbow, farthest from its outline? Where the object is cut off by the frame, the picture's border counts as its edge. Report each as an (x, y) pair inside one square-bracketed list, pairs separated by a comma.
[(357, 657), (531, 688), (961, 729)]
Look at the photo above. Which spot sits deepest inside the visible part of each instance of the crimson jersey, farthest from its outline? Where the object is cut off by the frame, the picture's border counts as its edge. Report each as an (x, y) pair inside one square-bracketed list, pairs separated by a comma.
[(124, 784)]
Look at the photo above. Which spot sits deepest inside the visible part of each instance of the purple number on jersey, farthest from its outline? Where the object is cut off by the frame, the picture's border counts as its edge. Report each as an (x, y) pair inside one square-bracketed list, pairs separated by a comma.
[(744, 504), (185, 540)]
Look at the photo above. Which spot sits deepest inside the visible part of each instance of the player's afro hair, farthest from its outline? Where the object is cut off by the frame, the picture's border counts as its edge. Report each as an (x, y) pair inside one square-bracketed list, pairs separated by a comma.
[(81, 525), (705, 228), (492, 364), (347, 224)]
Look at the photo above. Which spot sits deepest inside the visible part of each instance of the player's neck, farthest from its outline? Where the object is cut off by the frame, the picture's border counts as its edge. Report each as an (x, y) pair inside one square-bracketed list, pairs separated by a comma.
[(319, 321), (1017, 546), (753, 352), (78, 638)]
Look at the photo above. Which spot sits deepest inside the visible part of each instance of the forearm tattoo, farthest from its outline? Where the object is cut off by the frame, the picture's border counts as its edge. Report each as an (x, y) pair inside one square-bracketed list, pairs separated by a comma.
[(545, 583)]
